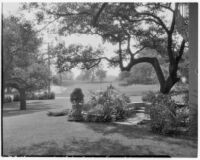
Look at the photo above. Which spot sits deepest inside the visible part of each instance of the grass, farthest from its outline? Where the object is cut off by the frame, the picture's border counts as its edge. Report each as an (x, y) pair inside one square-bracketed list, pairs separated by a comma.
[(33, 133), (132, 90), (83, 147), (117, 140)]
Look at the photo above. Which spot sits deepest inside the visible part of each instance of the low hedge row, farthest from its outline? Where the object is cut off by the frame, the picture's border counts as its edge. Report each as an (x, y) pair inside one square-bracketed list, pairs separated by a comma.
[(32, 96)]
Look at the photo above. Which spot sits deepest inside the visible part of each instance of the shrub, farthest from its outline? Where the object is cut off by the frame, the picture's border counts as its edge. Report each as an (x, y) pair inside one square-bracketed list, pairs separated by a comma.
[(77, 96), (106, 105), (56, 80), (166, 116), (16, 97), (163, 114), (33, 96), (149, 96), (52, 95), (44, 96), (7, 99)]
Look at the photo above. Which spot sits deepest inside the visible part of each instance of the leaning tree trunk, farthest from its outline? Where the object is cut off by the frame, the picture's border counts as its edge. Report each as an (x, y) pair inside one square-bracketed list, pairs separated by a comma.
[(22, 99), (165, 85)]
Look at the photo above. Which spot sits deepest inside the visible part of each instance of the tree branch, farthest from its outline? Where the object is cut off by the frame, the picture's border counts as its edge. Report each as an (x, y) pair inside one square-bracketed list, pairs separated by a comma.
[(166, 7), (68, 14), (47, 25), (96, 17), (181, 51), (120, 57), (154, 62), (160, 22), (139, 50), (173, 19)]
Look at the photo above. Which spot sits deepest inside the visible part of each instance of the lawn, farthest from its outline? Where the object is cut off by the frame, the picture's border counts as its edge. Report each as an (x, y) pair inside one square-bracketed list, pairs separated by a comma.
[(32, 132), (87, 88)]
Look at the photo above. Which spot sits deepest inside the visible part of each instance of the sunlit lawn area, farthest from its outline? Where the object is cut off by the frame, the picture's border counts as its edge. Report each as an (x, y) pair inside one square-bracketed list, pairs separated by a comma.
[(131, 90)]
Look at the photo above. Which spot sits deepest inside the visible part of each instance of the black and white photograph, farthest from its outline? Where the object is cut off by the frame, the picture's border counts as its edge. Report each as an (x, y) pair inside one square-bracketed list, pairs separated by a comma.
[(99, 79)]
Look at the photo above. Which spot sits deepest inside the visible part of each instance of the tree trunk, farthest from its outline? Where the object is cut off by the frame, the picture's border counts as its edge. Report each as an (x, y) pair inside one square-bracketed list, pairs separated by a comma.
[(165, 85), (3, 93), (22, 99)]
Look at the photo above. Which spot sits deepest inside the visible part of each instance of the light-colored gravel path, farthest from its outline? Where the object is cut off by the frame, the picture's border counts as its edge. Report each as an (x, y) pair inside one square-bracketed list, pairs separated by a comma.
[(36, 133)]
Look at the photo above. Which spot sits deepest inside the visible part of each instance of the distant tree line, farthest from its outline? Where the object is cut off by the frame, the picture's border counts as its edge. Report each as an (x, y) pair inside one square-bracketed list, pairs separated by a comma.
[(93, 74)]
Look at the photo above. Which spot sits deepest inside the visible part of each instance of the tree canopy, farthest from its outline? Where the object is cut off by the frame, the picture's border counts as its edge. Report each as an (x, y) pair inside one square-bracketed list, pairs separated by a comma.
[(22, 67), (149, 25)]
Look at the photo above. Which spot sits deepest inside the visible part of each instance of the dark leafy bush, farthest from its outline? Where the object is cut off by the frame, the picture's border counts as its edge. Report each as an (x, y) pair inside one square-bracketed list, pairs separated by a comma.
[(106, 106), (166, 115), (33, 96), (43, 96), (77, 96), (56, 80), (7, 99), (149, 96), (163, 114), (16, 97), (52, 95)]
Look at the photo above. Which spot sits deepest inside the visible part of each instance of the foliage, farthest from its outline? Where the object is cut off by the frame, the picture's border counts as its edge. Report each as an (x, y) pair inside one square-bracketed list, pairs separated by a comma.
[(56, 80), (163, 115), (84, 57), (166, 115), (119, 23), (87, 75), (33, 96), (77, 96), (101, 74), (106, 106), (7, 99), (92, 74), (16, 97), (139, 74), (23, 68), (20, 44), (42, 96), (149, 96)]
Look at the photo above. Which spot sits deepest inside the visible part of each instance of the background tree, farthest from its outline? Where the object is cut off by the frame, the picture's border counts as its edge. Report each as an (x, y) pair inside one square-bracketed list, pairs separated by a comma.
[(101, 74), (22, 67), (87, 75), (150, 25), (140, 74)]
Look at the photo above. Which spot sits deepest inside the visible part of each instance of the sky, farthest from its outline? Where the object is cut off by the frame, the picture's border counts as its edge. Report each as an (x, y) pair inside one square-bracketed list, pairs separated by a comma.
[(93, 40)]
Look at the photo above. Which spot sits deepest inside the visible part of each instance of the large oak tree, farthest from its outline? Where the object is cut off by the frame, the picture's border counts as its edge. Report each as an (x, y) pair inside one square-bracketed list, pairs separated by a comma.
[(150, 26)]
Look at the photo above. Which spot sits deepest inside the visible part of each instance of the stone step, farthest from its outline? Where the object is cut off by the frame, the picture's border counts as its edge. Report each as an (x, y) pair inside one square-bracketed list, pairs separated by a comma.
[(134, 120)]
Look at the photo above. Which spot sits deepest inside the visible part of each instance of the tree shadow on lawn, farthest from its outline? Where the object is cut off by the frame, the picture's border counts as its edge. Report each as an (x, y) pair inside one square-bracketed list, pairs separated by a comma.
[(83, 147), (13, 109), (140, 132)]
